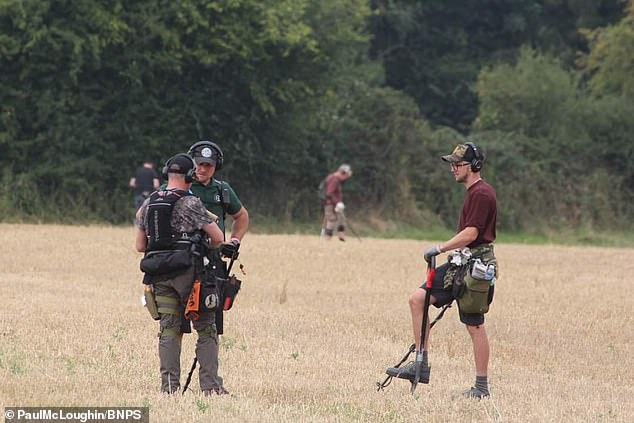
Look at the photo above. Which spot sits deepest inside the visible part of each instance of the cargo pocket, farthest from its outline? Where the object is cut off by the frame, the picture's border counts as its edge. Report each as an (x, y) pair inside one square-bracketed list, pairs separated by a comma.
[(475, 298)]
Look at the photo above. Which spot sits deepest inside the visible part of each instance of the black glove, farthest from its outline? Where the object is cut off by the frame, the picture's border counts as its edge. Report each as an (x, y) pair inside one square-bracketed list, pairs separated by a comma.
[(230, 249), (432, 252)]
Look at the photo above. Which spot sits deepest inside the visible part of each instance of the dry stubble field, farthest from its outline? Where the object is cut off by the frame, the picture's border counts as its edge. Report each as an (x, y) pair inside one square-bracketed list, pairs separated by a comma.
[(313, 330)]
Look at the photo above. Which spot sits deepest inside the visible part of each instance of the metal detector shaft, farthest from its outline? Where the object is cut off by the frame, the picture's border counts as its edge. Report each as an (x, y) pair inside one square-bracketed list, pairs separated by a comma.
[(233, 259), (431, 270), (353, 231), (189, 375), (345, 218)]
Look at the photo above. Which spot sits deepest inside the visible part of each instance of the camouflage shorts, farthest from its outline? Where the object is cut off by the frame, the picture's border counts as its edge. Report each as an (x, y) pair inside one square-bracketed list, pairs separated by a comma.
[(333, 219)]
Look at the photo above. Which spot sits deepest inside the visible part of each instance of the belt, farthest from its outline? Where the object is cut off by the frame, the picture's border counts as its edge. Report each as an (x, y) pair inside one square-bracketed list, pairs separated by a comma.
[(482, 249)]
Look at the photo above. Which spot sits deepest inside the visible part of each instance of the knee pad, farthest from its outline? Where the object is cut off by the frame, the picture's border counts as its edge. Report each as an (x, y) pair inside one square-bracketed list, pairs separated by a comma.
[(328, 232), (207, 332), (171, 332), (341, 228)]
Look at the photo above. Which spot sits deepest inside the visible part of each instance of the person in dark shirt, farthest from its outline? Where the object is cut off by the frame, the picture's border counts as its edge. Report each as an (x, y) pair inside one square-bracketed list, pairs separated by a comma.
[(144, 182), (476, 231)]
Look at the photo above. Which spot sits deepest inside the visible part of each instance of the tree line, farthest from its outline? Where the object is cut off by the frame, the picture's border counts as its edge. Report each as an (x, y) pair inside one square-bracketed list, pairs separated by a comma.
[(291, 88)]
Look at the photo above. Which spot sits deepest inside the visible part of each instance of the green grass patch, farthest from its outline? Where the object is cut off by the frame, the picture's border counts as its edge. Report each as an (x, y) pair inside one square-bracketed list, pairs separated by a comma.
[(580, 236), (397, 230)]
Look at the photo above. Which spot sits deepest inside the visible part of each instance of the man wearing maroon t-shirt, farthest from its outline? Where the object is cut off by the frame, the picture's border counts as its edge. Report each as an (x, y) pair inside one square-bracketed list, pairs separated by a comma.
[(476, 231), (334, 216)]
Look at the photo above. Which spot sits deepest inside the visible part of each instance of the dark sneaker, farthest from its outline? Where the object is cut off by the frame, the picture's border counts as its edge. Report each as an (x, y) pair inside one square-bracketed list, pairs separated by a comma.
[(216, 391), (475, 393), (342, 239), (409, 372)]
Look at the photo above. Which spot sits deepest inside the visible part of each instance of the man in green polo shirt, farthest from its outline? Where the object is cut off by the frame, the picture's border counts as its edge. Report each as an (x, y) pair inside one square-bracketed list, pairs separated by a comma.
[(220, 199), (217, 196)]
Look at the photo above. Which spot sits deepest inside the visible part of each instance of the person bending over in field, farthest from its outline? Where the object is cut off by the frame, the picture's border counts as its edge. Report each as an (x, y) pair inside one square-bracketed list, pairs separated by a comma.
[(334, 217)]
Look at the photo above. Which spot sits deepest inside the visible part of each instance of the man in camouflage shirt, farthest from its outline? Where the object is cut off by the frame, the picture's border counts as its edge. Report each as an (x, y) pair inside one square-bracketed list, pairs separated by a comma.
[(189, 216)]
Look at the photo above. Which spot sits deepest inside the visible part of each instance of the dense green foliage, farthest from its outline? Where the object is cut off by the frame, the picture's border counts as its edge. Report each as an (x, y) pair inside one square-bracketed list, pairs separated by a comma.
[(291, 88), (434, 50)]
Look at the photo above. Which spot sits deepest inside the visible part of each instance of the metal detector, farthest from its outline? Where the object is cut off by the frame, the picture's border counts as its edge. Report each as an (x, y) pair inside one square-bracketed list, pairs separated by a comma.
[(431, 271)]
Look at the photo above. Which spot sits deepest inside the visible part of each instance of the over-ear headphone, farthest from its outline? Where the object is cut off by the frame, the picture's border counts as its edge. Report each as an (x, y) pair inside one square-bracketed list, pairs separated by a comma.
[(219, 156), (478, 157), (189, 175)]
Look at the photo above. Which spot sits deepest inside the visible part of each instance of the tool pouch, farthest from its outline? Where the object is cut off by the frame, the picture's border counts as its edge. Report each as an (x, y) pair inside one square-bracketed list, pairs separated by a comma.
[(474, 290), (230, 291), (209, 294), (475, 297), (150, 302), (478, 282)]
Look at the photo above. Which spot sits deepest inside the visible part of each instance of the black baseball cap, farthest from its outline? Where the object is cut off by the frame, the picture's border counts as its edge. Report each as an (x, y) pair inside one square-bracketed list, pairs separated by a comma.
[(204, 154), (180, 163)]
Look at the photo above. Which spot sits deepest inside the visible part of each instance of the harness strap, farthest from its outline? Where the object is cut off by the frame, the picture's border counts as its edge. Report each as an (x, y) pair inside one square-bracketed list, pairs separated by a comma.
[(167, 305), (166, 300)]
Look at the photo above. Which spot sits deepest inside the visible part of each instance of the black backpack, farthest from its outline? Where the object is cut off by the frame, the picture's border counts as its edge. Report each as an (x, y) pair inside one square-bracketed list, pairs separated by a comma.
[(321, 190), (159, 216)]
